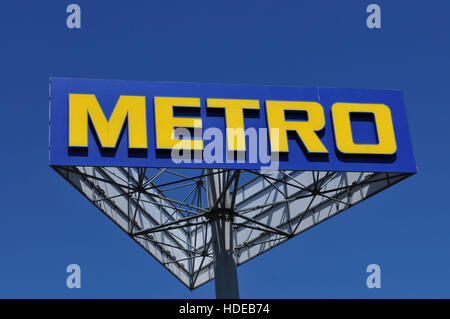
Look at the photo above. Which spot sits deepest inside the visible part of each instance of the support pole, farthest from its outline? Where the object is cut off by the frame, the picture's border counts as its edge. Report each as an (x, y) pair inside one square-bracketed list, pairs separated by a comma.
[(225, 272)]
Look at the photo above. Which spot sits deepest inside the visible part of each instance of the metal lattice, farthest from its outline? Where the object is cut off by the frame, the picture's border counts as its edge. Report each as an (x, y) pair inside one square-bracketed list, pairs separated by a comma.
[(167, 212)]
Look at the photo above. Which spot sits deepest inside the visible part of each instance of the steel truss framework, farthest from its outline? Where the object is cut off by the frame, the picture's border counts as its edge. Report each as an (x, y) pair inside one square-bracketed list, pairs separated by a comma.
[(167, 211)]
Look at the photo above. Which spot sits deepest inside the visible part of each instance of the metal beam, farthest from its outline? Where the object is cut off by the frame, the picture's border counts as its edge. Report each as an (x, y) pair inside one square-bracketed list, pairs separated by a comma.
[(225, 271)]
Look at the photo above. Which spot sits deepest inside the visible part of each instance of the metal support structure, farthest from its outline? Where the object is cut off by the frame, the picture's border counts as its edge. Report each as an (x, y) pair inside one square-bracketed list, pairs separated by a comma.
[(201, 224), (221, 218)]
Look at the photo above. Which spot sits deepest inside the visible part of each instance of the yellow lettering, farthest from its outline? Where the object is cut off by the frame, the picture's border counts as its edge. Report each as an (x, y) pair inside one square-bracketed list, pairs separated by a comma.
[(305, 129), (131, 108), (343, 130), (166, 123), (234, 117)]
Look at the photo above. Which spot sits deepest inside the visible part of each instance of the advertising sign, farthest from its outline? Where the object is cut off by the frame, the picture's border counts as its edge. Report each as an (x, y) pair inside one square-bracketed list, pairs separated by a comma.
[(197, 125)]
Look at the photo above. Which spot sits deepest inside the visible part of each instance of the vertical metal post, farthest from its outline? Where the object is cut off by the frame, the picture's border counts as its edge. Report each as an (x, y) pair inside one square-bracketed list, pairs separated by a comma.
[(225, 272)]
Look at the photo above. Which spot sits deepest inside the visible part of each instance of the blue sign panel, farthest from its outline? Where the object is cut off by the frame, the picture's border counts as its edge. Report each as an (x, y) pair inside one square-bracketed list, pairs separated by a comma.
[(193, 125)]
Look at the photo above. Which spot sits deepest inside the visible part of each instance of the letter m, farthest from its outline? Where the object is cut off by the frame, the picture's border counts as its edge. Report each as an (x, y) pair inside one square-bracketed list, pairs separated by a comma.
[(130, 108)]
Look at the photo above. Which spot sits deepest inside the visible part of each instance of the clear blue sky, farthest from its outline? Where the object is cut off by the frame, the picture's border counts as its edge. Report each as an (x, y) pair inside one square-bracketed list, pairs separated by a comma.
[(45, 224)]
